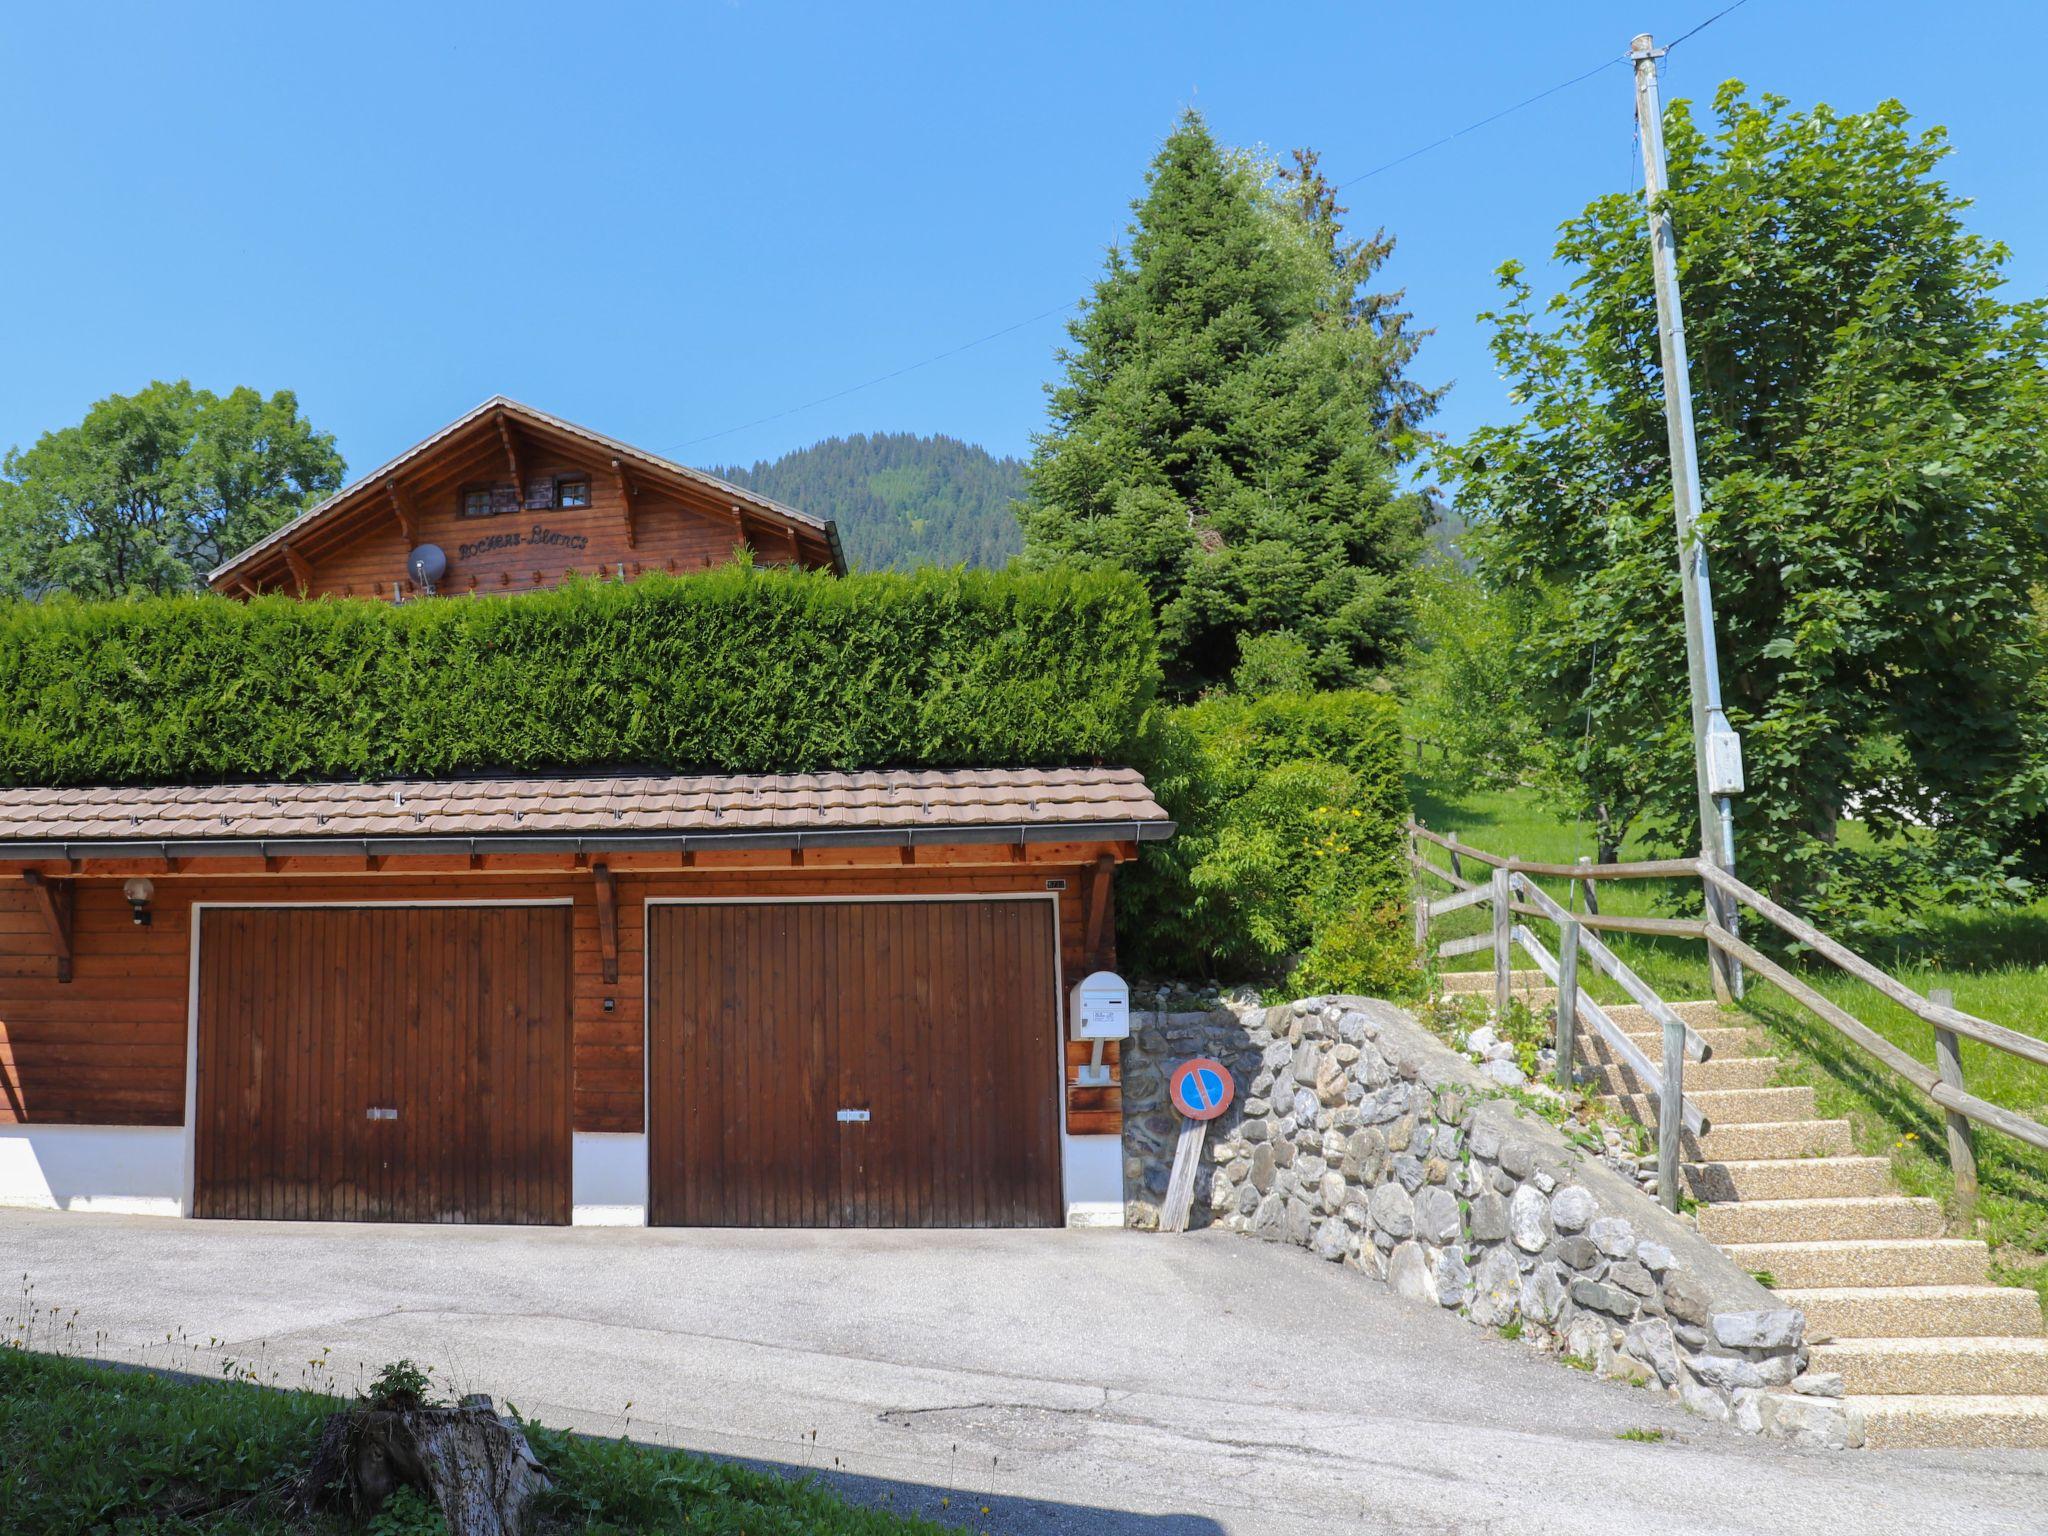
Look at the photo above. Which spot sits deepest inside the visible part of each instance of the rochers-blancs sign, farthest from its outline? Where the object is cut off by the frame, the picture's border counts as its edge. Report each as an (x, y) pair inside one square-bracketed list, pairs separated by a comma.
[(536, 535)]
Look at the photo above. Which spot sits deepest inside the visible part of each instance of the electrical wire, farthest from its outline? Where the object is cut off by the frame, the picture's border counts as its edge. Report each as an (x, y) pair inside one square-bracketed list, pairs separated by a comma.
[(1562, 85), (1696, 31), (1434, 144), (883, 378)]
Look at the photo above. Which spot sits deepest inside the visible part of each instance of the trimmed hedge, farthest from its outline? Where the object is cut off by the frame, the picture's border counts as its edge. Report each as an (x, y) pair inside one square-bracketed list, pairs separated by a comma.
[(1290, 849), (735, 670)]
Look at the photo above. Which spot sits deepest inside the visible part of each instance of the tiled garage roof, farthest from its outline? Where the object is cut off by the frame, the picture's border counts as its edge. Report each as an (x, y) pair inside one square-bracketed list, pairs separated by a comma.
[(979, 804)]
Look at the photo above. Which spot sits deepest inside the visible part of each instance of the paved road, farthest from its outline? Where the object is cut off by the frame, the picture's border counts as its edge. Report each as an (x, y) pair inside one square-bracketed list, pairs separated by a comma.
[(1069, 1382)]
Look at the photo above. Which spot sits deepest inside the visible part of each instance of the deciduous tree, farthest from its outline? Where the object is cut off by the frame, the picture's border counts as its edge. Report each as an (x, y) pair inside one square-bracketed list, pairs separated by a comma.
[(152, 490), (1873, 437)]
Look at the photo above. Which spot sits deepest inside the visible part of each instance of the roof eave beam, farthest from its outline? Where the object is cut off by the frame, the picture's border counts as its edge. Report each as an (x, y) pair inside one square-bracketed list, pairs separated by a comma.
[(511, 442), (626, 498), (408, 522)]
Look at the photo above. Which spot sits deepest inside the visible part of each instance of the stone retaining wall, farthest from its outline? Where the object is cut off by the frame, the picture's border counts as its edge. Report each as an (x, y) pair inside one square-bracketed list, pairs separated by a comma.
[(1360, 1136)]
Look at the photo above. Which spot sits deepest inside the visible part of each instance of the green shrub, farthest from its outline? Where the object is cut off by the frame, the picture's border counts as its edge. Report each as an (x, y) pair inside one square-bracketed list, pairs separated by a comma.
[(735, 670), (1290, 848)]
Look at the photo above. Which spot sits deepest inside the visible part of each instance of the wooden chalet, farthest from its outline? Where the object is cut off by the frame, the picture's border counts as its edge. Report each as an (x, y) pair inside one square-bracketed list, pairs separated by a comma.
[(814, 999), (515, 499)]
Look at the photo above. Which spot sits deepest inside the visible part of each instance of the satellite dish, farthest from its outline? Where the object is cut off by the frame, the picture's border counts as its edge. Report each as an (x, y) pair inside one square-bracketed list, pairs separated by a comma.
[(428, 565)]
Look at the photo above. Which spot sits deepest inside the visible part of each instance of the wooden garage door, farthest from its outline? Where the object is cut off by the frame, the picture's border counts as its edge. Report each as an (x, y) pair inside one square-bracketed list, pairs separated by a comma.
[(384, 1064), (773, 1026)]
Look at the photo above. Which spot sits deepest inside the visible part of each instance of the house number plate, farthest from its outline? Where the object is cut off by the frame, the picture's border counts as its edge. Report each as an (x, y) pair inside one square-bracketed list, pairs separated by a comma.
[(853, 1117), (376, 1113)]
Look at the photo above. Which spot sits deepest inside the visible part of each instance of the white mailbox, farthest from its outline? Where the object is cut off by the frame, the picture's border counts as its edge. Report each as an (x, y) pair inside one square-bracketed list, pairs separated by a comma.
[(1102, 1007), (1099, 1010)]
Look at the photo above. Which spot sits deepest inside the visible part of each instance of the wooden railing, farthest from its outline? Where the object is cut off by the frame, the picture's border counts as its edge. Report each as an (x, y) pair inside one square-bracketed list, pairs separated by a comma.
[(1511, 893), (1510, 878)]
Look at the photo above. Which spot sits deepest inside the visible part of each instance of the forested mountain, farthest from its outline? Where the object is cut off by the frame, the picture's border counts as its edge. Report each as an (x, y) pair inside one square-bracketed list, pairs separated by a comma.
[(900, 500)]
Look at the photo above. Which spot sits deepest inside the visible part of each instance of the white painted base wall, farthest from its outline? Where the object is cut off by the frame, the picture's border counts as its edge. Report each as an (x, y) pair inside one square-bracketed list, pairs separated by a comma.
[(1094, 1171), (136, 1170), (140, 1170), (608, 1179)]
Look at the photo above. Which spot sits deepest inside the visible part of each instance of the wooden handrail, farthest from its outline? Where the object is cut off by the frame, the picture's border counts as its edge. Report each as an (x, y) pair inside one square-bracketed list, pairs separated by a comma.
[(1943, 1087), (1615, 1036), (1983, 1030), (1910, 1067), (1612, 965), (1614, 922), (1466, 898), (1644, 869), (1418, 862)]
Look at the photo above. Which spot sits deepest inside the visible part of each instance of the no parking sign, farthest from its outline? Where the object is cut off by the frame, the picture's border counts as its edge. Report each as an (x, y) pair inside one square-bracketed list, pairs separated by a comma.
[(1200, 1088)]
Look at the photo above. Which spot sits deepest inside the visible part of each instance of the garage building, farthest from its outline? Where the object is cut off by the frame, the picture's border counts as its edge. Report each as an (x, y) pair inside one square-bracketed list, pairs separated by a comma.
[(804, 1000)]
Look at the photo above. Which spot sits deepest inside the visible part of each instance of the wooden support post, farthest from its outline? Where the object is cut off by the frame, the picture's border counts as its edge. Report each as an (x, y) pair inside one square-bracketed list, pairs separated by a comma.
[(1098, 912), (607, 922), (55, 904), (626, 496), (1180, 1184), (1567, 1001), (1590, 887), (1671, 1112), (302, 573), (1962, 1147), (408, 524), (1421, 900), (512, 459), (1503, 939), (1457, 864)]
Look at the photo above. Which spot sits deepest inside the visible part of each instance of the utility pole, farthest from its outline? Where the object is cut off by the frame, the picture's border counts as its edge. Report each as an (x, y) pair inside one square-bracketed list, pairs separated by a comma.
[(1717, 751)]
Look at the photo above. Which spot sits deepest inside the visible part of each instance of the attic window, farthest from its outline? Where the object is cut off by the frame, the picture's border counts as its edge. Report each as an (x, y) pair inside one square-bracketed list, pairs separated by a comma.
[(476, 503), (572, 493)]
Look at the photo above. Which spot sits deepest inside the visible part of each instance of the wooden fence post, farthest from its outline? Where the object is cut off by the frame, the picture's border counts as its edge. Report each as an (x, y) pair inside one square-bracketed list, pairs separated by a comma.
[(1592, 888), (1671, 1112), (1421, 898), (1457, 864), (1503, 939), (1962, 1149), (1567, 1000)]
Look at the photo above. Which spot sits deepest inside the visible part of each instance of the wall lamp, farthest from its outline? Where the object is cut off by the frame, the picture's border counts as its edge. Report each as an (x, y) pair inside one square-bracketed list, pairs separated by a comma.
[(139, 893)]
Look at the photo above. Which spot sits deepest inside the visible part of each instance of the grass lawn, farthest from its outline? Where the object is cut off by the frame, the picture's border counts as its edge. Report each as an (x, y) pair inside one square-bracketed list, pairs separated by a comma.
[(1996, 963), (87, 1447)]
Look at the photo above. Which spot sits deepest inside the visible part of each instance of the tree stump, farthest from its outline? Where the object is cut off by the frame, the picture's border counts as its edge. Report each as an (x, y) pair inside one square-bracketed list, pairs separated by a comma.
[(474, 1464)]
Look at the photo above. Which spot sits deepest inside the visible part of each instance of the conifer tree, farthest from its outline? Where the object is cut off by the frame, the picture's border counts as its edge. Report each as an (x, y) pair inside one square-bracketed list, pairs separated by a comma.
[(1229, 419)]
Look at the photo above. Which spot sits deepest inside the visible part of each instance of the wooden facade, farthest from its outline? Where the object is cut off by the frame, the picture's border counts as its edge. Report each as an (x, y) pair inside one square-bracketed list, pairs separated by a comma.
[(517, 500), (111, 1045)]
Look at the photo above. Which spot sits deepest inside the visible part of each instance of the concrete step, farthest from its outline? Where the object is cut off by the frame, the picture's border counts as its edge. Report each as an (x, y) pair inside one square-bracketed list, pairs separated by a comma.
[(1482, 981), (1940, 1367), (1789, 1178), (1916, 1311), (1792, 1221), (1734, 1106), (1722, 1041), (1933, 1423), (1700, 1076), (1767, 1138), (1907, 1261), (1701, 1015)]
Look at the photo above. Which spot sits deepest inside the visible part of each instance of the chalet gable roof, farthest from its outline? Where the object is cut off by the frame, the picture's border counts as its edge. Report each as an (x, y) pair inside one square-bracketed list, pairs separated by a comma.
[(371, 489)]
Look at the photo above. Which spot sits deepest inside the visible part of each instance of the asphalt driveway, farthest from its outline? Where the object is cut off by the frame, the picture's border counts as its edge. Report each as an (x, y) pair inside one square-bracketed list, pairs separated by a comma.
[(1062, 1381)]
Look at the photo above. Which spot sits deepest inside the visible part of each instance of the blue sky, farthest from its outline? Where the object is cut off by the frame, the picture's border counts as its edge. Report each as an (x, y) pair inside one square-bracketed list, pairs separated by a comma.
[(669, 221)]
